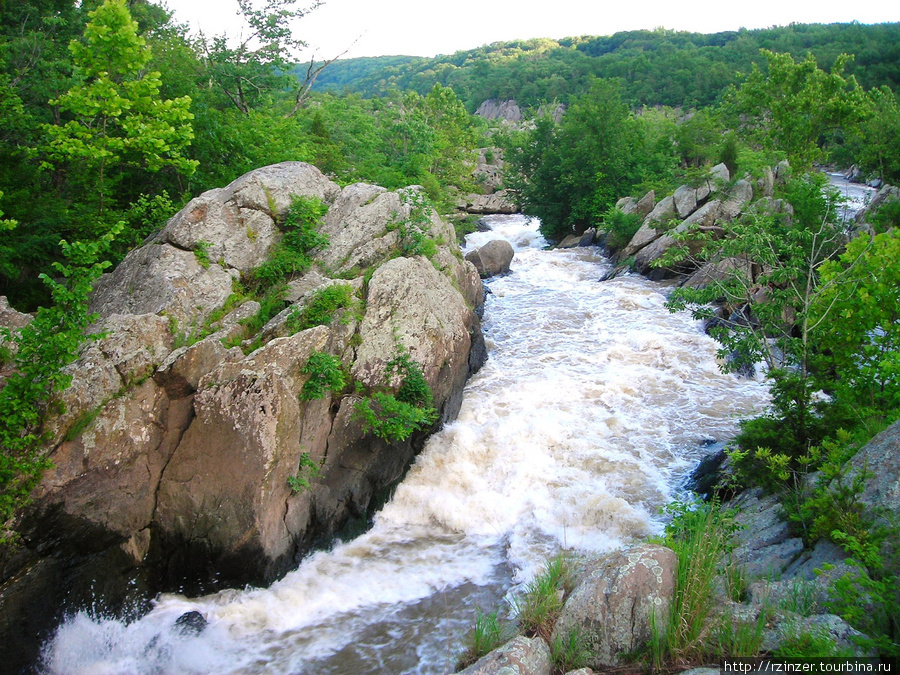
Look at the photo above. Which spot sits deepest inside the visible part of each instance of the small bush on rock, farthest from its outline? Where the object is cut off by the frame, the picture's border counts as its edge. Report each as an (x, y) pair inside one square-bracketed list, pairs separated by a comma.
[(325, 373)]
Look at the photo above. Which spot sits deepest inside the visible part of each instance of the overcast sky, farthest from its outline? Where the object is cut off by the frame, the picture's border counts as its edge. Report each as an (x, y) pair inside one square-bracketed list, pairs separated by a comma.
[(427, 28)]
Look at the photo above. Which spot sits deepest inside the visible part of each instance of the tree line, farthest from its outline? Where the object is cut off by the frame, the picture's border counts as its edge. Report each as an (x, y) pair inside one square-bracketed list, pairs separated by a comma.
[(655, 67)]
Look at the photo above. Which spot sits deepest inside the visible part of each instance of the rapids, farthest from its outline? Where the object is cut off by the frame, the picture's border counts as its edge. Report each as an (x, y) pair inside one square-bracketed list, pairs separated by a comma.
[(594, 405)]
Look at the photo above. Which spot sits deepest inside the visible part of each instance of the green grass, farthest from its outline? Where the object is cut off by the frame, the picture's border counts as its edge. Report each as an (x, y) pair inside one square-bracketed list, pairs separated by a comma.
[(701, 536), (488, 633), (539, 607)]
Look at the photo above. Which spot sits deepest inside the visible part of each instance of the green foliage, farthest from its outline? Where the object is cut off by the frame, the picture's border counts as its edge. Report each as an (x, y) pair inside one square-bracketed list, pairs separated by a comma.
[(783, 311), (869, 600), (887, 216), (146, 215), (862, 346), (619, 227), (391, 419), (320, 309), (117, 114), (809, 645), (791, 105), (570, 175), (201, 253), (394, 417), (307, 471), (656, 67), (415, 229), (326, 373), (269, 307), (489, 633), (44, 347), (876, 140), (301, 237)]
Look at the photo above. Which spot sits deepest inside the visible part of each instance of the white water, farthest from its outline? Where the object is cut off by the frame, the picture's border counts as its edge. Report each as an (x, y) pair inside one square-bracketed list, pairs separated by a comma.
[(590, 412)]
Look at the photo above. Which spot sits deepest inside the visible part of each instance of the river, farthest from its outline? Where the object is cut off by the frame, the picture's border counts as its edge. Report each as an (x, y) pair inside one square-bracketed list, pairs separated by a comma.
[(594, 405)]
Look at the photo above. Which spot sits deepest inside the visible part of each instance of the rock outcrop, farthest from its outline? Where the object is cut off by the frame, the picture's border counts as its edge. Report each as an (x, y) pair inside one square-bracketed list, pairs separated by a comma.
[(495, 109), (492, 197), (173, 457)]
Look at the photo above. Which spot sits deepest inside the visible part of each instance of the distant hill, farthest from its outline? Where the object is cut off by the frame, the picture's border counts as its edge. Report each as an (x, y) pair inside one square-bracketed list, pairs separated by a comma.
[(658, 67)]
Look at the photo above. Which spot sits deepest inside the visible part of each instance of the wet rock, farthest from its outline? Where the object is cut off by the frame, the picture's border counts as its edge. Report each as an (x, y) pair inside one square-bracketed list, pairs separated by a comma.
[(190, 623), (706, 476), (492, 259), (614, 603), (520, 656)]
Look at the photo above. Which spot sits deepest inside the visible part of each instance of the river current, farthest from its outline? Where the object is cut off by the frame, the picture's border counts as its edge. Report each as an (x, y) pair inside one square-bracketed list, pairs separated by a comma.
[(593, 407)]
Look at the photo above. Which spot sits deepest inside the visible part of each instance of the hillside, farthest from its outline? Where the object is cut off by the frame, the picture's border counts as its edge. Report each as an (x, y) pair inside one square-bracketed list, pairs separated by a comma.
[(658, 67)]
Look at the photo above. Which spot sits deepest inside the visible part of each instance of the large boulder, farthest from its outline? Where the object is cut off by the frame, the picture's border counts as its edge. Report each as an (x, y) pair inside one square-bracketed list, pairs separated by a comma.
[(493, 258), (519, 656), (616, 602), (225, 488), (879, 460), (685, 201)]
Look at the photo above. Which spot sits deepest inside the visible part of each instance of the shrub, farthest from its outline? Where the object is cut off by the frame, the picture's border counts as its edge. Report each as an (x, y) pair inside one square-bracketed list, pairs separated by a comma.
[(394, 417), (619, 227), (292, 254), (325, 373), (319, 311)]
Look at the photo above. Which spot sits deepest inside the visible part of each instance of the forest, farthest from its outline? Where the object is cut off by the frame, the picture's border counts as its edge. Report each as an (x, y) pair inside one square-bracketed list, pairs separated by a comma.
[(655, 67), (112, 117)]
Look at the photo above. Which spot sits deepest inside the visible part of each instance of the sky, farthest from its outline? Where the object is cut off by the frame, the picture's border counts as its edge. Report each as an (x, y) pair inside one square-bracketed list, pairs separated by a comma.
[(426, 28)]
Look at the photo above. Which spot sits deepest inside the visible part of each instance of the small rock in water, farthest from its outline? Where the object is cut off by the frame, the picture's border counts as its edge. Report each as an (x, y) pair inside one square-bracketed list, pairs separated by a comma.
[(190, 623)]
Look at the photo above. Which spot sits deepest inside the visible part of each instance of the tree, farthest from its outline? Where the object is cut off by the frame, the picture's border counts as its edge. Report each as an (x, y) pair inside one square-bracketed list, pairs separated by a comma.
[(259, 63), (118, 117), (772, 283), (860, 347), (879, 135), (791, 105), (43, 349), (572, 173)]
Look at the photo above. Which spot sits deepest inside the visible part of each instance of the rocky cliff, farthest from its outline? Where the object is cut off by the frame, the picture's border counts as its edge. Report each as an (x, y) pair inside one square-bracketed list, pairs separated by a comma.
[(189, 454)]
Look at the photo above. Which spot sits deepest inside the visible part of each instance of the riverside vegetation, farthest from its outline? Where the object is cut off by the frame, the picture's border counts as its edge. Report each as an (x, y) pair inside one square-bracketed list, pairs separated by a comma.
[(117, 117)]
